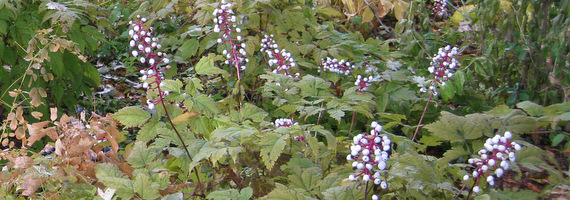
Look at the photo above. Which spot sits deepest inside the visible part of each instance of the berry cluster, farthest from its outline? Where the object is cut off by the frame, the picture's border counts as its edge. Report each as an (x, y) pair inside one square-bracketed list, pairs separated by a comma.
[(284, 122), (144, 45), (495, 158), (365, 82), (281, 58), (442, 66), (369, 154), (225, 22), (439, 8), (336, 66)]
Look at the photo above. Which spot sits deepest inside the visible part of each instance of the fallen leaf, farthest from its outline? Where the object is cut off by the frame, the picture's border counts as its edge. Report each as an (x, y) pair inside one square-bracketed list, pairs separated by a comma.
[(23, 162), (53, 114), (37, 115), (30, 185)]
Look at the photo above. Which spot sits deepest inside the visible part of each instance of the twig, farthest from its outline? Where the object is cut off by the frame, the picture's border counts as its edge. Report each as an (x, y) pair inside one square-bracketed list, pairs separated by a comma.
[(373, 8)]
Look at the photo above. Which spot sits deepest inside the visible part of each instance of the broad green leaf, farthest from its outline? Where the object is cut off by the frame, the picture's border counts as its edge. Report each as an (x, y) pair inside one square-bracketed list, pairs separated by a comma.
[(223, 194), (250, 111), (273, 145), (149, 130), (145, 188), (188, 49), (245, 193), (205, 105), (314, 87), (131, 116), (565, 117), (213, 153), (112, 177), (206, 66), (456, 128), (282, 192), (343, 193), (306, 179), (232, 133), (141, 155), (531, 108), (452, 154), (557, 139)]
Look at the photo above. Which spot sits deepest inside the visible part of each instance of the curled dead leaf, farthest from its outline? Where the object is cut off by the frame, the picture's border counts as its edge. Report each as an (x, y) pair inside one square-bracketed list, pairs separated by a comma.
[(30, 185)]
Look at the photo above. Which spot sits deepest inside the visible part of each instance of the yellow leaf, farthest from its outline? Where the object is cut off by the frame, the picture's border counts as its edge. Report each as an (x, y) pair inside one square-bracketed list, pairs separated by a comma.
[(458, 17), (367, 16), (400, 8), (184, 117)]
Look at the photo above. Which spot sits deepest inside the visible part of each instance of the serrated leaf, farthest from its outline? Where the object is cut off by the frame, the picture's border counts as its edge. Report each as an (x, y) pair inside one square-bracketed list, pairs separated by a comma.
[(451, 154), (223, 194), (250, 111), (213, 153), (305, 179), (343, 193), (149, 130), (232, 133), (112, 177), (145, 188), (456, 128), (206, 66), (141, 155), (281, 192), (205, 105), (273, 145), (336, 114), (188, 49), (131, 116)]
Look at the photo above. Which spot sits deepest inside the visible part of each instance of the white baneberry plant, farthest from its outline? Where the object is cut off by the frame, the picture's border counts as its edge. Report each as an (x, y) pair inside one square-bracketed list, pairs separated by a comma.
[(336, 66), (440, 8), (285, 122), (225, 22), (495, 158), (369, 154), (278, 57), (145, 47), (364, 82), (442, 66)]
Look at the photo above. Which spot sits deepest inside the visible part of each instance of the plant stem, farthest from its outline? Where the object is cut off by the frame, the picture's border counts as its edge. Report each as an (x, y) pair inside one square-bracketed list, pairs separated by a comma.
[(351, 123), (423, 114), (179, 137)]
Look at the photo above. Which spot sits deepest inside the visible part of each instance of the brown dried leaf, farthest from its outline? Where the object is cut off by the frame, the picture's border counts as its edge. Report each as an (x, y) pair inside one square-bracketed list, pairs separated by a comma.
[(30, 185), (37, 115), (20, 133), (23, 162), (5, 142), (19, 114), (36, 131), (51, 132), (59, 148), (53, 114)]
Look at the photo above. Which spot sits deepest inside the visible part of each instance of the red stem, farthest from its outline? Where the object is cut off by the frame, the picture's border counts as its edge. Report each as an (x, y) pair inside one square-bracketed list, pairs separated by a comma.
[(423, 114)]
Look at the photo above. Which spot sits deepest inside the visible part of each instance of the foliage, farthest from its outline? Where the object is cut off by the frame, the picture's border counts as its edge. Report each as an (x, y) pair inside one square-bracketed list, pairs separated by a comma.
[(274, 121)]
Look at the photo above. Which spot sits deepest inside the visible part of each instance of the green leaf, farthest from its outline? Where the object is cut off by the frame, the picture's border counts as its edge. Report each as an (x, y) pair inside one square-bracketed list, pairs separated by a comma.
[(149, 130), (558, 139), (245, 193), (206, 66), (457, 129), (273, 145), (451, 154), (188, 49), (531, 108), (250, 111), (563, 117), (112, 177), (282, 192), (141, 155), (305, 179), (223, 194), (204, 105), (336, 114), (145, 188), (131, 116), (343, 193)]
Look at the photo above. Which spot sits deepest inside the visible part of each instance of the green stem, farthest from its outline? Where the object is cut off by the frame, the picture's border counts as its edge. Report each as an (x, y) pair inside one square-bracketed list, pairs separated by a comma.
[(351, 123)]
